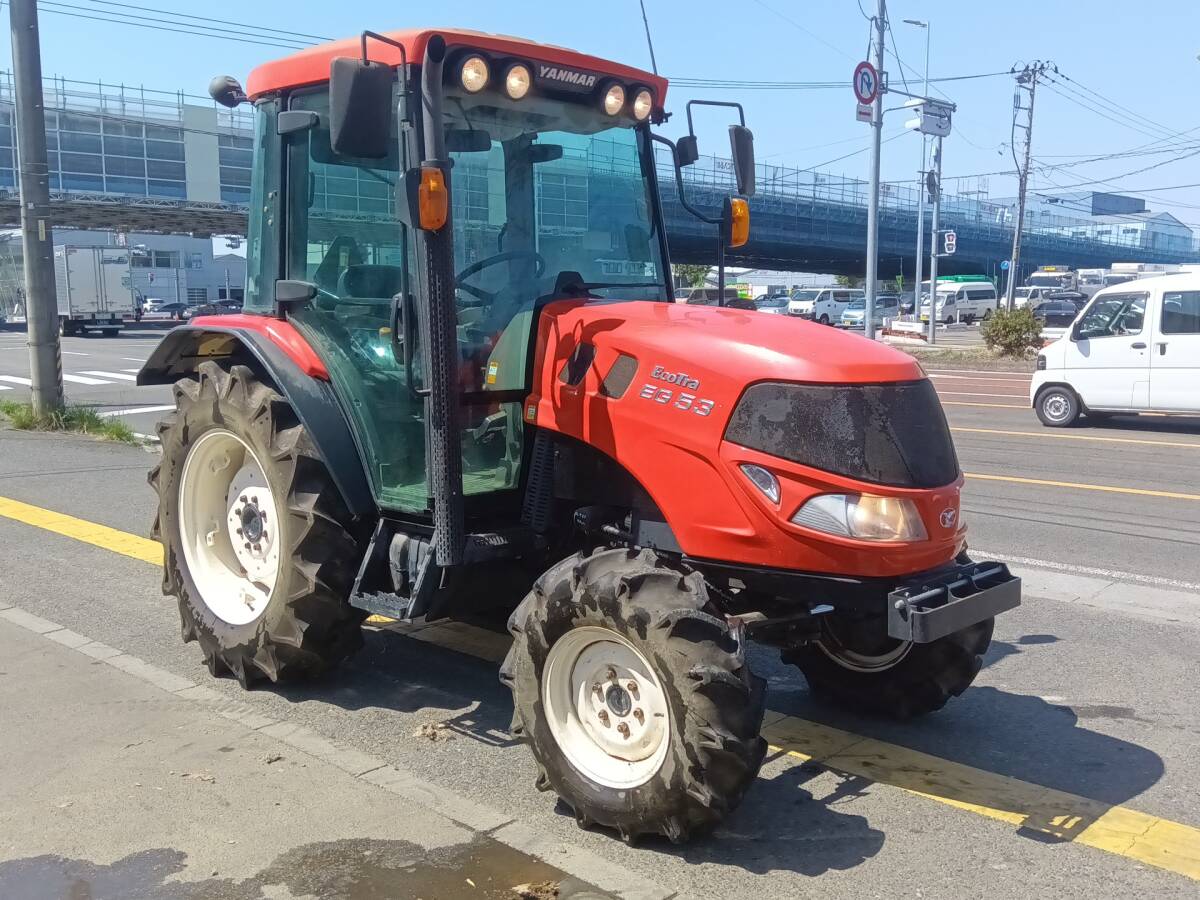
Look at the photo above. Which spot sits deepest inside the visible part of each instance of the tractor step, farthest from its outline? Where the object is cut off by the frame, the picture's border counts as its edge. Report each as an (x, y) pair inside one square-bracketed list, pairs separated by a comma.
[(393, 606)]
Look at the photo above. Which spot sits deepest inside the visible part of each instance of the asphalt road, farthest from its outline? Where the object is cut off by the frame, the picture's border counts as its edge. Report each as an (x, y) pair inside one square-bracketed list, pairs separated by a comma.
[(1084, 711)]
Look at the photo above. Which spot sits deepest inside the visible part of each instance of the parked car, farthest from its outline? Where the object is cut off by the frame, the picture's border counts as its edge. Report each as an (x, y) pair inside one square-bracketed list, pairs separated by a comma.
[(908, 302), (1024, 296), (211, 309), (1056, 313), (824, 305), (174, 310), (1134, 348), (1078, 298), (887, 306), (962, 302), (776, 304), (705, 296)]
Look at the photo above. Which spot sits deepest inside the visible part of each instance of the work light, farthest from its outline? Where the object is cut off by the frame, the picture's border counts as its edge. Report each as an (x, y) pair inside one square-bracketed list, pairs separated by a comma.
[(642, 102), (474, 74), (614, 99), (517, 81)]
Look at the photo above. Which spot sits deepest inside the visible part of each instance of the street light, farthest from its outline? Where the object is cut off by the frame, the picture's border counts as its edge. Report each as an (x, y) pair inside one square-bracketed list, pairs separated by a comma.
[(921, 194)]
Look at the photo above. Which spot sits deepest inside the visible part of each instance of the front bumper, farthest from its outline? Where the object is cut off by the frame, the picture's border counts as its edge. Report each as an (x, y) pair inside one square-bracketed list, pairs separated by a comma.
[(930, 607)]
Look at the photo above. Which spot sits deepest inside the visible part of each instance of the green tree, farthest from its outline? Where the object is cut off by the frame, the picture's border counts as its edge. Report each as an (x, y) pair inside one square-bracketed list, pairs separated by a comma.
[(692, 275), (844, 280)]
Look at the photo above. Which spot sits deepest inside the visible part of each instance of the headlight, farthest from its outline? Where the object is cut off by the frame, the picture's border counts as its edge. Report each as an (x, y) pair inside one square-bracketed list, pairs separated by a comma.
[(614, 99), (862, 516), (474, 74), (642, 102), (517, 81)]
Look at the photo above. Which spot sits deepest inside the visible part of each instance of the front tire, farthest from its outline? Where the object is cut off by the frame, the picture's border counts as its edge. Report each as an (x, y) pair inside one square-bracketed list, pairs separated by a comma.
[(855, 665), (824, 320), (258, 545), (1057, 407), (601, 639)]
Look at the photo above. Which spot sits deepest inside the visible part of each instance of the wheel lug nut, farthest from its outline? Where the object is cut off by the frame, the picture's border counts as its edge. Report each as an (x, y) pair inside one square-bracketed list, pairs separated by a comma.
[(632, 687), (623, 729), (603, 714), (242, 499), (612, 674), (258, 548), (247, 545), (637, 714), (239, 532), (598, 688)]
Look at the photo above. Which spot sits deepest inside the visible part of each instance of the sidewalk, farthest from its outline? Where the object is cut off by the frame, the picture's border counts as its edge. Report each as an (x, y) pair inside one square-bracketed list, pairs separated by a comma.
[(116, 788)]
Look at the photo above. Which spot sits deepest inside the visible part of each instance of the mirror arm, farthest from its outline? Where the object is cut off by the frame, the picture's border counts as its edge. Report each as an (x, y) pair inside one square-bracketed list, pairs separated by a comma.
[(679, 182), (726, 103), (384, 39)]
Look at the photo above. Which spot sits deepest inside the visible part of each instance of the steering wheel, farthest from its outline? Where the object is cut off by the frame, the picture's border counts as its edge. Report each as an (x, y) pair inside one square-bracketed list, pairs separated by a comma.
[(507, 256)]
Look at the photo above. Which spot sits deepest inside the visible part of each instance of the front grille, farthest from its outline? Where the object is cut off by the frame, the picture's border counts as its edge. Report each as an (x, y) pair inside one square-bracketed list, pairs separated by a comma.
[(892, 434)]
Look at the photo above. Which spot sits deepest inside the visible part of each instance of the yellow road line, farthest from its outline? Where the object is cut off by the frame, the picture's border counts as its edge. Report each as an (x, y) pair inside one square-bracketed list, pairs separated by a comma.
[(1078, 437), (987, 405), (1104, 488), (1148, 839), (88, 532)]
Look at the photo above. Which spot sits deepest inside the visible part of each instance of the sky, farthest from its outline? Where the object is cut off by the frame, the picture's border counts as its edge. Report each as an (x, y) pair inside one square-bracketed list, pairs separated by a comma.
[(1127, 78)]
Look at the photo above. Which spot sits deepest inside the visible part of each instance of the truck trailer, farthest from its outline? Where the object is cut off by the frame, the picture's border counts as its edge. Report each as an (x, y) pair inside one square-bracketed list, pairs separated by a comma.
[(94, 290)]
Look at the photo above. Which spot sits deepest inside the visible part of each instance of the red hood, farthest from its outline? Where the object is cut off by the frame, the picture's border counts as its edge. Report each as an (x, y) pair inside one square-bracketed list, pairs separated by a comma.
[(741, 345)]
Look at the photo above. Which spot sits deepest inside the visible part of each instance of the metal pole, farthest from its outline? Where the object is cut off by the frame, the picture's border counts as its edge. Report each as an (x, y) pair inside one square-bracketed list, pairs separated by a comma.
[(873, 199), (921, 188), (933, 243), (41, 302), (1014, 266)]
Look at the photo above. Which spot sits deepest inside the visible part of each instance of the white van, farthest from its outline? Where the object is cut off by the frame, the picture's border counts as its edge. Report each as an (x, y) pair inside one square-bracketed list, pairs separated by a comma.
[(1134, 348), (824, 305), (962, 302)]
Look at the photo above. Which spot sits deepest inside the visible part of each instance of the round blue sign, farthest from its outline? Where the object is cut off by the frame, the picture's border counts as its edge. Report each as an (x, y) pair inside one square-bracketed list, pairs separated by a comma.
[(1004, 265)]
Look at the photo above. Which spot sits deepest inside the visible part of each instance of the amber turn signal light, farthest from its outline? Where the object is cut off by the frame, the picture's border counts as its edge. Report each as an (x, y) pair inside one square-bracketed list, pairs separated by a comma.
[(433, 200), (739, 221)]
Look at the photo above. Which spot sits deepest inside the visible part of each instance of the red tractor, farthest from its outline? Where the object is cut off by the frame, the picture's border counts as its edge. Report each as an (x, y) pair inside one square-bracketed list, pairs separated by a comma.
[(461, 387)]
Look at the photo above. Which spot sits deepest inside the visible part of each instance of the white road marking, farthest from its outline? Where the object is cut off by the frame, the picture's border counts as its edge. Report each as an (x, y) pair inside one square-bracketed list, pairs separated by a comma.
[(117, 375), (16, 379), (134, 371), (968, 394), (131, 359), (5, 387), (73, 353), (1155, 580), (83, 379), (133, 411)]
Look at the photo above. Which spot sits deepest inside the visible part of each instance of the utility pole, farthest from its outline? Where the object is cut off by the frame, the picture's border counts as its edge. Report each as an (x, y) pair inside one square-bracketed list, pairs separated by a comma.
[(41, 301), (1027, 80), (935, 185), (880, 24), (921, 182)]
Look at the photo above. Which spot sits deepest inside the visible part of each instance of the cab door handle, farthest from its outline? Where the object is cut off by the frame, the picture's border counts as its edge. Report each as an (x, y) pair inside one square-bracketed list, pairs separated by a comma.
[(1162, 348), (1139, 345)]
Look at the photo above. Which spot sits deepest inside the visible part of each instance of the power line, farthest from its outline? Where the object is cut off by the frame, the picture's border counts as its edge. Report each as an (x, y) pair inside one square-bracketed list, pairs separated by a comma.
[(812, 34), (1151, 122), (179, 15), (1083, 101)]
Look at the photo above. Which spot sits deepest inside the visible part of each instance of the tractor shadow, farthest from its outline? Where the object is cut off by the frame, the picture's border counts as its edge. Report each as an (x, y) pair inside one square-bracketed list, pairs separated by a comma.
[(1025, 737)]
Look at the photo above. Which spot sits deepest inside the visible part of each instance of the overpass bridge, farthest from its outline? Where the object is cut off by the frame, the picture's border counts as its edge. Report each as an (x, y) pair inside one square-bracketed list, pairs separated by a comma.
[(190, 161)]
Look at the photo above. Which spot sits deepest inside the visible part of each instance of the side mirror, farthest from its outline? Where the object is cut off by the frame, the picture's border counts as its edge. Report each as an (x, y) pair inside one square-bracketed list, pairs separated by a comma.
[(542, 153), (227, 90), (1076, 331), (360, 108), (467, 140), (741, 143), (687, 150)]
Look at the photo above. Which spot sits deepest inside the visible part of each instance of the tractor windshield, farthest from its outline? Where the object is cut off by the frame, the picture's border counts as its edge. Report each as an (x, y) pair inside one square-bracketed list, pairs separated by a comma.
[(546, 193)]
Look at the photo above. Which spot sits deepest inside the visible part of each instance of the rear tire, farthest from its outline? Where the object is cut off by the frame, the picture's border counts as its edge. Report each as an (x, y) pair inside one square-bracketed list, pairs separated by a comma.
[(855, 665), (109, 332), (628, 605), (1057, 407), (282, 621)]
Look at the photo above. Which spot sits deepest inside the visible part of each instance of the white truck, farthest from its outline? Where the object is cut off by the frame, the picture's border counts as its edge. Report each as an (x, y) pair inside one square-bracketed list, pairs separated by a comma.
[(1058, 278), (94, 290)]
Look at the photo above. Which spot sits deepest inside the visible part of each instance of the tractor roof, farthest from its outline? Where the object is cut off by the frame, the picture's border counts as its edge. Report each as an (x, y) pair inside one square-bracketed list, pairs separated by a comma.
[(311, 65)]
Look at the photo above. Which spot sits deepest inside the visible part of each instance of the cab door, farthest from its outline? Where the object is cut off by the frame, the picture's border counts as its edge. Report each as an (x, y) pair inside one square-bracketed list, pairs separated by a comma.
[(1175, 353), (1109, 360)]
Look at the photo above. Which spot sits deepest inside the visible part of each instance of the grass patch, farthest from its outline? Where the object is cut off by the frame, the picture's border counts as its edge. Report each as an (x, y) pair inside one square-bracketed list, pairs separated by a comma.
[(975, 356), (75, 419)]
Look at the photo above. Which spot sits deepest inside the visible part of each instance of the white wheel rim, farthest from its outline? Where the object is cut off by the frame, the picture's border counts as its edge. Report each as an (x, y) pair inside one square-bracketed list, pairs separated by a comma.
[(616, 736), (229, 527), (831, 645), (1056, 407)]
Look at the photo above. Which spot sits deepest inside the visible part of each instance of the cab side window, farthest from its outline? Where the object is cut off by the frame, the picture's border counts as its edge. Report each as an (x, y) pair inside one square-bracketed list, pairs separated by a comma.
[(1181, 313), (1121, 314)]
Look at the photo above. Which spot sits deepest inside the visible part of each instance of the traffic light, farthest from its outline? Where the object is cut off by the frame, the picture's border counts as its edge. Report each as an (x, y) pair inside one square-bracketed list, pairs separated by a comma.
[(949, 243)]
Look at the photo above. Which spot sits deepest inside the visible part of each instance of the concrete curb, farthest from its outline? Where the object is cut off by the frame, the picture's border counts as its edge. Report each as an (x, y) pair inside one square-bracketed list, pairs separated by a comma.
[(576, 862)]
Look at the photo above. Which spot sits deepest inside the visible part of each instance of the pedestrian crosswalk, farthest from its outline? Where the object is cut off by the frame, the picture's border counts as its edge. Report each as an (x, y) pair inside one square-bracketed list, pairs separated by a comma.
[(88, 377)]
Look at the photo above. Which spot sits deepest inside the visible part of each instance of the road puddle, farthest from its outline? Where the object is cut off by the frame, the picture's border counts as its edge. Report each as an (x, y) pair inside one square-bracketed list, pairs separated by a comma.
[(356, 869)]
